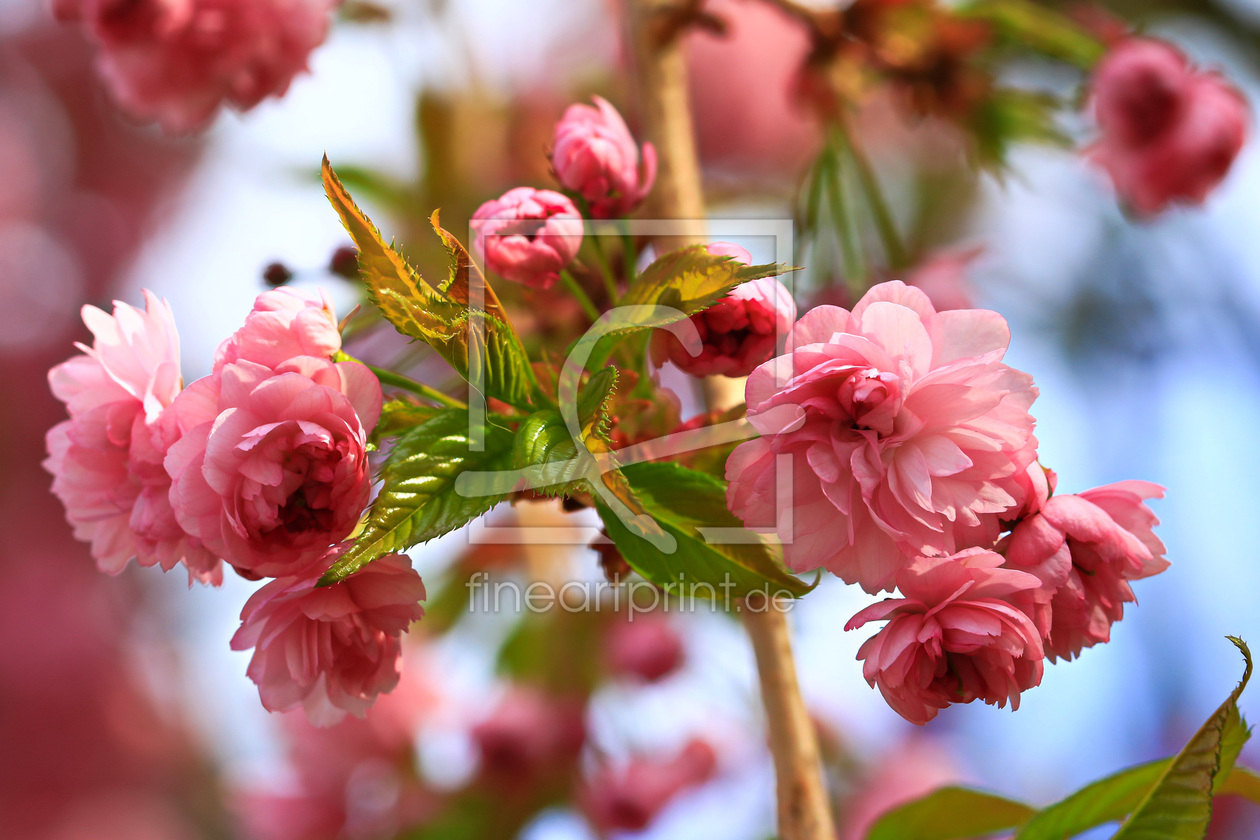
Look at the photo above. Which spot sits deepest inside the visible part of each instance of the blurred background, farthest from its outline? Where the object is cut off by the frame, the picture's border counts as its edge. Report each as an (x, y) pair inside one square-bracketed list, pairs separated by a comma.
[(123, 713)]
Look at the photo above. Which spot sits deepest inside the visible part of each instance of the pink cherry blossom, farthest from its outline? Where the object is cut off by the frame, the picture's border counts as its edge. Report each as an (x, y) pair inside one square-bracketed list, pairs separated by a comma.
[(106, 460), (178, 61), (646, 647), (331, 649), (629, 798), (955, 637), (905, 433), (271, 468), (284, 323), (595, 156), (1170, 133), (737, 333), (528, 235), (1086, 549)]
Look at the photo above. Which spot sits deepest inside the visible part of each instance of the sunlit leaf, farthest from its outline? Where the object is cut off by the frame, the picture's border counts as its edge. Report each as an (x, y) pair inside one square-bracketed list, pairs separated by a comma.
[(399, 416), (1179, 805), (1113, 798), (463, 320), (1010, 116), (411, 305), (683, 501), (951, 813), (688, 280), (418, 500)]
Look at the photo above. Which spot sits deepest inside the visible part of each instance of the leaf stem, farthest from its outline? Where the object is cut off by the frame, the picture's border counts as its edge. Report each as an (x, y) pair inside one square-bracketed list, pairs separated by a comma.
[(846, 226), (583, 299), (628, 256), (605, 270), (388, 377), (884, 223)]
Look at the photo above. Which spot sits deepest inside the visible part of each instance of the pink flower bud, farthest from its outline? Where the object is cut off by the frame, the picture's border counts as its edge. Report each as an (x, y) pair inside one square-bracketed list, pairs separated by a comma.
[(528, 235), (630, 798), (333, 649), (955, 637), (1169, 132), (646, 647), (595, 156), (737, 333)]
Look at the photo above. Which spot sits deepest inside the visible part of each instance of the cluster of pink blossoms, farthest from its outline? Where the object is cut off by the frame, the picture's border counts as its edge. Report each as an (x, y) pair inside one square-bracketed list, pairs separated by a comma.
[(178, 61), (896, 450), (528, 236), (1169, 131), (262, 465)]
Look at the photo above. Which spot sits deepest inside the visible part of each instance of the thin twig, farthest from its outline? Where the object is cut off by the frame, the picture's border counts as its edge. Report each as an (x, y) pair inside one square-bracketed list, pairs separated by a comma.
[(661, 77)]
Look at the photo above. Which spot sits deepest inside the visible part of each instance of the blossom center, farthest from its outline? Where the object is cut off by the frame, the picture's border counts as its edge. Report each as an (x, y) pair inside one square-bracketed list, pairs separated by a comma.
[(872, 399)]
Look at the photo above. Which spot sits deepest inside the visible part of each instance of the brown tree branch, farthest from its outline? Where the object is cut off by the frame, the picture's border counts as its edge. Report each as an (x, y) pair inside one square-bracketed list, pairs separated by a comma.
[(804, 812)]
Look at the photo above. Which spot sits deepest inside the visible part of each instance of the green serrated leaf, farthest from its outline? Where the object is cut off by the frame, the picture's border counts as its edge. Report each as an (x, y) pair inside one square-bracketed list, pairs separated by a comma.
[(1179, 805), (594, 401), (1113, 798), (411, 305), (682, 502), (546, 454), (400, 416), (1098, 803), (474, 335), (418, 500), (950, 813)]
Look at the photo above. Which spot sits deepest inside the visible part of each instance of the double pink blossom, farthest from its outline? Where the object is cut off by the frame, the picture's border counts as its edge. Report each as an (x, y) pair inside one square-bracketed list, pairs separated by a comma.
[(904, 431), (106, 460), (284, 323), (268, 457), (528, 235), (737, 333), (1086, 549), (595, 156), (331, 649), (1169, 132), (178, 61), (955, 637), (271, 467)]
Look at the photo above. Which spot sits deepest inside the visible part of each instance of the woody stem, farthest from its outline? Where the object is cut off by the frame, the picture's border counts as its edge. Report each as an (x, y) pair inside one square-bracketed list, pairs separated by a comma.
[(661, 79)]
